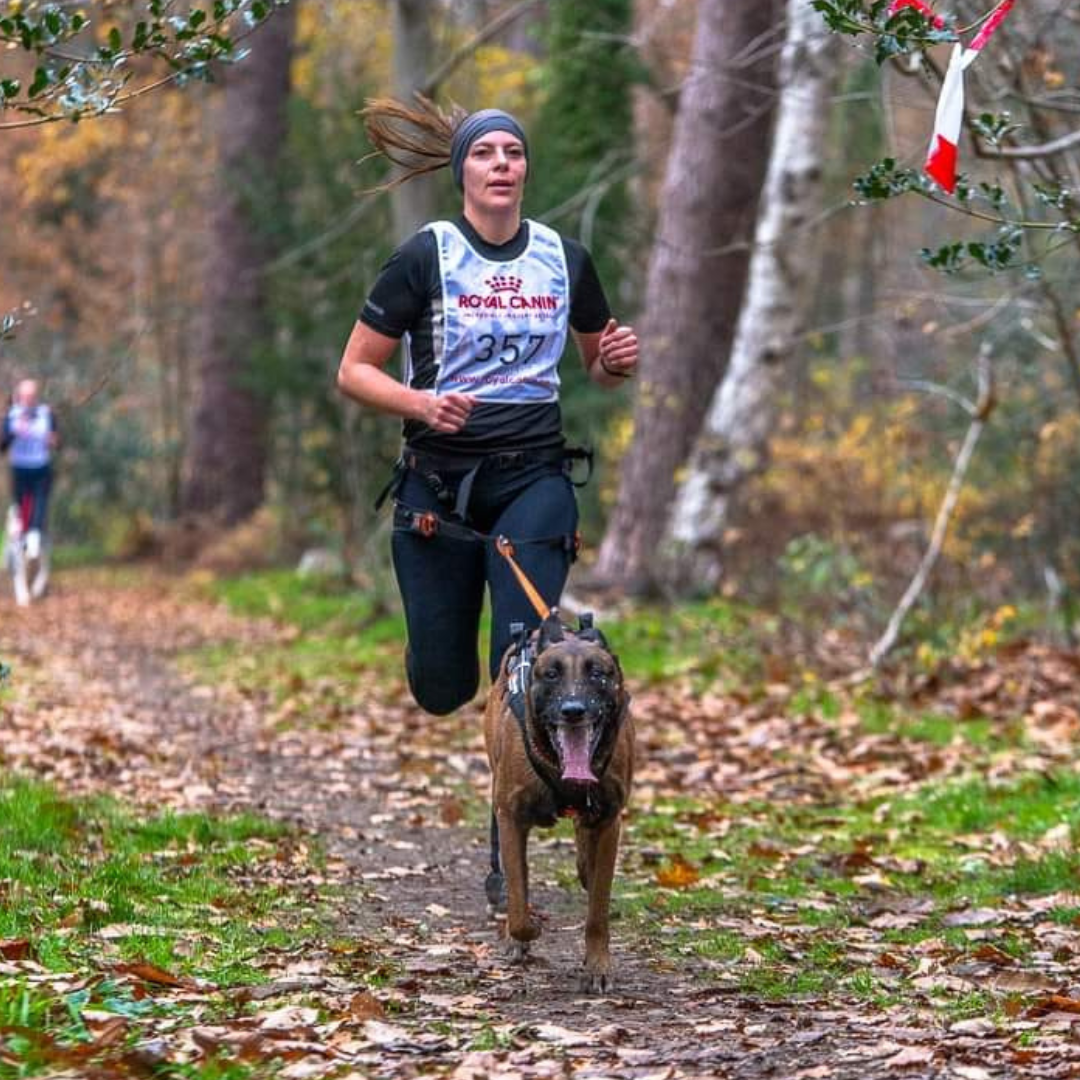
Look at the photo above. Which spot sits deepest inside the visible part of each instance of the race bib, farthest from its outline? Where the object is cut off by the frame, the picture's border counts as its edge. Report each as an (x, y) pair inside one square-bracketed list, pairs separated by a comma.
[(32, 429), (503, 325)]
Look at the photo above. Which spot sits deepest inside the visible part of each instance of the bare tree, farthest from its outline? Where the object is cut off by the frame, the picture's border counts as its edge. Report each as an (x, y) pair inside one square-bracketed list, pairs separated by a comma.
[(733, 445), (698, 267), (228, 445), (413, 203)]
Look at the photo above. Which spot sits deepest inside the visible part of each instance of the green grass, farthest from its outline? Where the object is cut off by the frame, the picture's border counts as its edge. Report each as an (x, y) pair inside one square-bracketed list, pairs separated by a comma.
[(1024, 808), (799, 866), (320, 604), (77, 556), (924, 825), (880, 717), (707, 640), (822, 870), (343, 637), (87, 883), (702, 639), (81, 865)]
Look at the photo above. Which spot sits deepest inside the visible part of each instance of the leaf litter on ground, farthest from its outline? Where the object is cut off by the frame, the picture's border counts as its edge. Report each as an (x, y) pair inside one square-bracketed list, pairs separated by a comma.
[(790, 887)]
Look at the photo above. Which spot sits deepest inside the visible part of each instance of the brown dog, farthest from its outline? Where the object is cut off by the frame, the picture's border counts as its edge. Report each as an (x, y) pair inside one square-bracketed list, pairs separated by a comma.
[(560, 742)]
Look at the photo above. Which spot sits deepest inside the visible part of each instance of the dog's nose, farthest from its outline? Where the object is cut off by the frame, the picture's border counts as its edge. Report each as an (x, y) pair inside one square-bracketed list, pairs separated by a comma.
[(572, 710)]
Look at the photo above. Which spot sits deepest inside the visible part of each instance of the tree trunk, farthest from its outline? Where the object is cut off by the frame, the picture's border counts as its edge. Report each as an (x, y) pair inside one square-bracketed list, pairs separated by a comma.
[(229, 438), (413, 203), (697, 270), (733, 445), (664, 34)]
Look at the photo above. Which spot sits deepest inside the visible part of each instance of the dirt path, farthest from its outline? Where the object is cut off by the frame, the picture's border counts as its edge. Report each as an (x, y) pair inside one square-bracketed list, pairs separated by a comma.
[(102, 705)]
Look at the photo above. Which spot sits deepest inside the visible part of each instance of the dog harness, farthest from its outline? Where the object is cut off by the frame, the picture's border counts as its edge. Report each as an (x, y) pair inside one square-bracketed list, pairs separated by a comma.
[(569, 801)]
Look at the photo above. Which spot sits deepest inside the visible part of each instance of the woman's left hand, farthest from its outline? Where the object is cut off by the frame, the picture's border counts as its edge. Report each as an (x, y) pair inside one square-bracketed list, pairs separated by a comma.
[(618, 352)]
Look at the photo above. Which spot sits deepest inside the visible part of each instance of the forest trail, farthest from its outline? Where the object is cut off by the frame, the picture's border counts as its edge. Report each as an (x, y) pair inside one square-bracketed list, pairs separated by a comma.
[(106, 699)]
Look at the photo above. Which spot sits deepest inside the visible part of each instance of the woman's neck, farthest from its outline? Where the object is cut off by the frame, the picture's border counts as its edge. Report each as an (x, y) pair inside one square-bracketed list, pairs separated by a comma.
[(497, 228)]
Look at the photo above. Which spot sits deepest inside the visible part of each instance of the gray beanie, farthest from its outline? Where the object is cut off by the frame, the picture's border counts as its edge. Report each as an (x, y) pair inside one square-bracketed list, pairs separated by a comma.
[(472, 127)]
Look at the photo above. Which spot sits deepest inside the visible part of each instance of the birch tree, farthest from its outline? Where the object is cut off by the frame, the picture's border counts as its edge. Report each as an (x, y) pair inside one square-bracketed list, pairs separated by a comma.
[(697, 271), (733, 444)]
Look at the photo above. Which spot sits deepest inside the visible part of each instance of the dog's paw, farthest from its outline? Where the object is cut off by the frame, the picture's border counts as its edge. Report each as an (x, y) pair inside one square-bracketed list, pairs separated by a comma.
[(517, 952), (597, 978), (495, 891), (529, 929)]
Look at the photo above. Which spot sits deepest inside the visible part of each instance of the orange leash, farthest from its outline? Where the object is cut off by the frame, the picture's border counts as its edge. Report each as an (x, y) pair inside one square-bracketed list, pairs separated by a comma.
[(505, 548)]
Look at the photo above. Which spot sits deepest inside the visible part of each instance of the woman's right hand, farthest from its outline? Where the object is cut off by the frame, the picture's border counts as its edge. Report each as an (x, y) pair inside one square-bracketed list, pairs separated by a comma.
[(447, 412), (361, 377)]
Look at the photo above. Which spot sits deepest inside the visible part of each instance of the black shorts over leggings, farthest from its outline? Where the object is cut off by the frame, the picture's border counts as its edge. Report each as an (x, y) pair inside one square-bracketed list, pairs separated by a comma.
[(33, 485), (442, 579)]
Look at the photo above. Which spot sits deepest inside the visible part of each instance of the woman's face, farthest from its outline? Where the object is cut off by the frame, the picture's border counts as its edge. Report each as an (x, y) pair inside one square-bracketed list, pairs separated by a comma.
[(493, 176), (26, 393)]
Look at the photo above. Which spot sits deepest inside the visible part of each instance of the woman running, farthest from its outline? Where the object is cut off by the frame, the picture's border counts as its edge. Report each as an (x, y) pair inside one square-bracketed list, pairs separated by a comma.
[(485, 304), (29, 432)]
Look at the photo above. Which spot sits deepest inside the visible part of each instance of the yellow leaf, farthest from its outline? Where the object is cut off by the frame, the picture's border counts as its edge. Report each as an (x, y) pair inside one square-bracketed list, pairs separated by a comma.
[(678, 874)]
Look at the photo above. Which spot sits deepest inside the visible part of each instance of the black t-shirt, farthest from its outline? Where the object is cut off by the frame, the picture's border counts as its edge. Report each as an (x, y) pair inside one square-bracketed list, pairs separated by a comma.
[(406, 299)]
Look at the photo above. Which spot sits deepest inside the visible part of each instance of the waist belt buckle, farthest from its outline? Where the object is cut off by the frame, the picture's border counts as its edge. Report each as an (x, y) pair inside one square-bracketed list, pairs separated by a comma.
[(426, 523)]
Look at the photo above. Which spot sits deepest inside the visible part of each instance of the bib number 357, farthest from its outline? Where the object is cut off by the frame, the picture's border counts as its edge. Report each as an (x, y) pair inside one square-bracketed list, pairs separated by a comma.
[(510, 348)]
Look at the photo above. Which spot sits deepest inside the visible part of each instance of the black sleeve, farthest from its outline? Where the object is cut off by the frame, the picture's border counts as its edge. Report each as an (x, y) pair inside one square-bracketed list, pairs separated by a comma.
[(403, 288), (589, 309), (7, 435)]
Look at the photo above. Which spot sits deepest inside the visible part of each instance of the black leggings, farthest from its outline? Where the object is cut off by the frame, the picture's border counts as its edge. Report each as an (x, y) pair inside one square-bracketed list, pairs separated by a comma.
[(33, 485), (442, 579)]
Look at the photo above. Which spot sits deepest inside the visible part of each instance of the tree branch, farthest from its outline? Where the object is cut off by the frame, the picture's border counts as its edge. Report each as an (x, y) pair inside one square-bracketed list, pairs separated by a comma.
[(980, 412), (485, 33), (1027, 153)]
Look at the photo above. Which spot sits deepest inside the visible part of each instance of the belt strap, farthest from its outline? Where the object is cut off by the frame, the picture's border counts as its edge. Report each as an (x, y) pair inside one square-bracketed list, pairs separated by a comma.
[(431, 466)]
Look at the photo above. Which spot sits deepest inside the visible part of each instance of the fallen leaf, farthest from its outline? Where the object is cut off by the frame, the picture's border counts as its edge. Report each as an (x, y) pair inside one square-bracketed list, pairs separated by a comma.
[(1023, 982), (973, 917), (560, 1036), (288, 1018), (365, 1006), (151, 973), (975, 1025), (15, 949), (910, 1055), (385, 1034), (1057, 1003), (678, 874)]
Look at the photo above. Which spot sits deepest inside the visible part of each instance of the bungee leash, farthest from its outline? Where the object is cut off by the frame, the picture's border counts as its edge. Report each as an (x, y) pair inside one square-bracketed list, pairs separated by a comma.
[(504, 546), (428, 524)]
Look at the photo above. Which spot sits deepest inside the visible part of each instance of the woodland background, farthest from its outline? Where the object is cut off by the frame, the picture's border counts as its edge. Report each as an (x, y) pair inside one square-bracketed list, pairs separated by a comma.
[(183, 271), (231, 847)]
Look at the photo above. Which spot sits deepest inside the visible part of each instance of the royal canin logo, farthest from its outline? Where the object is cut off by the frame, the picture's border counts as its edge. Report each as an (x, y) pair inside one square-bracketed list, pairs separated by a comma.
[(505, 295), (498, 283)]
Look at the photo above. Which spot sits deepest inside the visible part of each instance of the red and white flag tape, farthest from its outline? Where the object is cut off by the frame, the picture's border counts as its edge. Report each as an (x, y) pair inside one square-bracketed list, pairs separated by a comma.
[(923, 8), (941, 157)]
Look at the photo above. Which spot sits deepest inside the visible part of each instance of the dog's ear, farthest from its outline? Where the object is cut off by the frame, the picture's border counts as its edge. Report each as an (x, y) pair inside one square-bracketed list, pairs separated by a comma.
[(588, 632), (551, 630), (624, 694)]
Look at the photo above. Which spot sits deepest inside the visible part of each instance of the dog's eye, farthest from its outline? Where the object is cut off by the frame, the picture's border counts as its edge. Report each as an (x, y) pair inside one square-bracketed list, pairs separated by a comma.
[(596, 673), (552, 673)]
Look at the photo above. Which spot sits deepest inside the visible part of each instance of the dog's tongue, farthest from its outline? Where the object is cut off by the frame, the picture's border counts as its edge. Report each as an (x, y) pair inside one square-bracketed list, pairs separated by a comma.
[(574, 743)]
